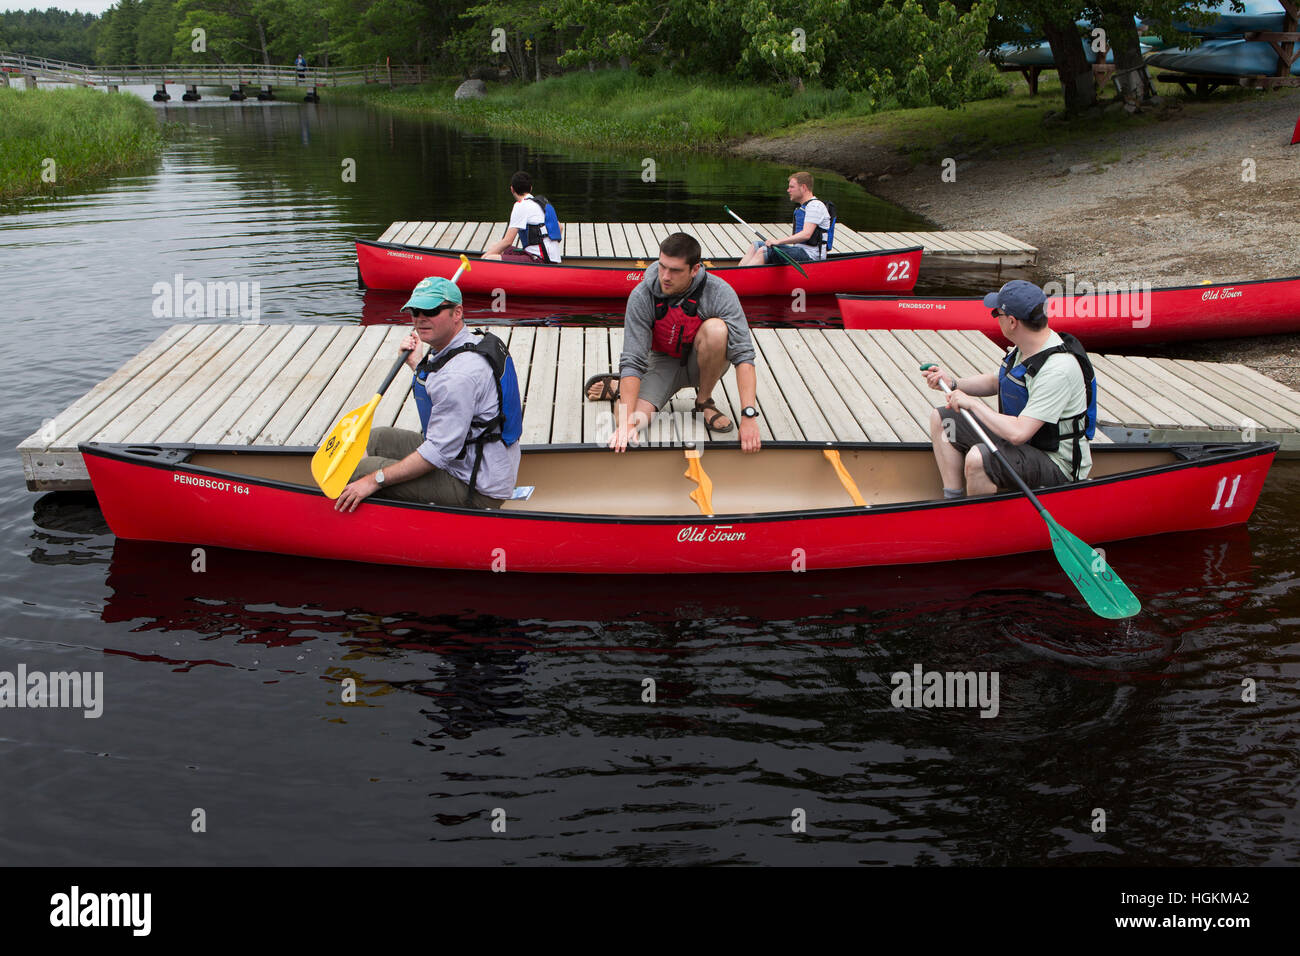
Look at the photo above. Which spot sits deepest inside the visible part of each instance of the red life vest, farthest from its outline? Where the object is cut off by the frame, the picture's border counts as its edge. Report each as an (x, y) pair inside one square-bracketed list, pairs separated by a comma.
[(676, 324)]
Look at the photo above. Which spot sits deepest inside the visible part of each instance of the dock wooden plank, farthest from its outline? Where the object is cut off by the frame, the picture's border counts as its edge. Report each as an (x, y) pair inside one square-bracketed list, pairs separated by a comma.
[(437, 237), (137, 389), (884, 405), (846, 240), (1224, 384), (225, 404), (596, 417), (649, 242), (479, 239), (909, 350), (732, 391), (331, 403), (604, 242), (618, 239), (1261, 387), (844, 383), (49, 435), (213, 350), (803, 407), (178, 418), (392, 230), (1197, 400), (273, 381), (1120, 368), (457, 240), (772, 405), (399, 389), (881, 351), (404, 234), (417, 237), (315, 377), (1131, 394), (586, 239), (566, 422), (829, 398), (540, 404)]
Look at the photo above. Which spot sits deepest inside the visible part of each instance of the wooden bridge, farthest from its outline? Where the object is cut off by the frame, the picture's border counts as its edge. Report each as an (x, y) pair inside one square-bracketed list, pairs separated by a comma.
[(235, 76)]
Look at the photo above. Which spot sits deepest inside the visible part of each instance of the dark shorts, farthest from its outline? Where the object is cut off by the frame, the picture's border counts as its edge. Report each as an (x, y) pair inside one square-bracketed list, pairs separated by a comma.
[(794, 252), (388, 446), (665, 376), (1032, 464), (518, 255)]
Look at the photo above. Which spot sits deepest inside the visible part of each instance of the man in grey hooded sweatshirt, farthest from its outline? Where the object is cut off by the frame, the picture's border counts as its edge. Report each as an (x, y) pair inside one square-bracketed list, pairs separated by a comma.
[(683, 327)]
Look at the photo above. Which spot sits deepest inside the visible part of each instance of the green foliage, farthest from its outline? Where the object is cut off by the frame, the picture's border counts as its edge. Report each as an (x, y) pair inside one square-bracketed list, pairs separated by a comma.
[(86, 133), (53, 34)]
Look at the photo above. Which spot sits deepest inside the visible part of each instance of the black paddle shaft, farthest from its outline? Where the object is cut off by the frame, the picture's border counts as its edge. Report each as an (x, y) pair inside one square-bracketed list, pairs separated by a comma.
[(392, 372)]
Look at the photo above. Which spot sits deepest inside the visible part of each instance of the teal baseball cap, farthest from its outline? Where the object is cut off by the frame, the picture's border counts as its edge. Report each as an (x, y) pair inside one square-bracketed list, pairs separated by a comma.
[(432, 292)]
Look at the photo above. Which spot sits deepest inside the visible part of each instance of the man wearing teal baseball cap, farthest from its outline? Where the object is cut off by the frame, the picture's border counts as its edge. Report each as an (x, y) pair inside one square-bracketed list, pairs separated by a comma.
[(1047, 405), (459, 401)]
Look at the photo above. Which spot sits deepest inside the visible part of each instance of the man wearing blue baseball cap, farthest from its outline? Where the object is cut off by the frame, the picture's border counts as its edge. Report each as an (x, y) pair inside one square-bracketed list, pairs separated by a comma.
[(459, 457), (1047, 405)]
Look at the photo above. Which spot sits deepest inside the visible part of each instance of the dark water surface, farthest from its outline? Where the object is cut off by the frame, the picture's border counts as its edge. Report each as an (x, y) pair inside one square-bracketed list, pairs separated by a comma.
[(478, 692)]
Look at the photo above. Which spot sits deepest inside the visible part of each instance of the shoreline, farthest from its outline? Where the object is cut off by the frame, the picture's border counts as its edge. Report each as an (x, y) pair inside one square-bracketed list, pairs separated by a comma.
[(1163, 203)]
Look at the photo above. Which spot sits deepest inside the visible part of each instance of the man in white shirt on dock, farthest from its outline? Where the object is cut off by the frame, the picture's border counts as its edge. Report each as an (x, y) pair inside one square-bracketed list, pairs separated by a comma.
[(528, 226), (811, 234)]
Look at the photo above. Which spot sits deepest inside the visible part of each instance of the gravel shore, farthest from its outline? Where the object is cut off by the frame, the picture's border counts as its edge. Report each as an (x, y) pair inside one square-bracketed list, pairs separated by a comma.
[(1171, 203)]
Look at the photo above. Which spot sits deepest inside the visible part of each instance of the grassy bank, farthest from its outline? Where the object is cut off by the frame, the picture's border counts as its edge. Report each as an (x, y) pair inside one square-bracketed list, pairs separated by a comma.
[(623, 108), (85, 132)]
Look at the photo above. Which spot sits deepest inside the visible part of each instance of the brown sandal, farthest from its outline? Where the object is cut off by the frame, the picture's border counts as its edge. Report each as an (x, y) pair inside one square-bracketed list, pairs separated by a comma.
[(608, 382), (711, 423)]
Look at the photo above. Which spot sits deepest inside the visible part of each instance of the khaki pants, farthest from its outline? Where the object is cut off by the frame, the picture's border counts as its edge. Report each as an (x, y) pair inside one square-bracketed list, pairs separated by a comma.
[(388, 446)]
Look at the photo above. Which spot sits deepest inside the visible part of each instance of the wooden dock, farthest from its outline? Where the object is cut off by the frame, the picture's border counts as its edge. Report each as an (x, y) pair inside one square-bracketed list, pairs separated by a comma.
[(287, 385), (720, 241)]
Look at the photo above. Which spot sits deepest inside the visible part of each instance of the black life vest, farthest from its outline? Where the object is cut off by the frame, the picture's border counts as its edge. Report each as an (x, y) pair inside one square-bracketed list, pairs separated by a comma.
[(549, 229), (820, 236), (508, 423), (676, 324), (1013, 396)]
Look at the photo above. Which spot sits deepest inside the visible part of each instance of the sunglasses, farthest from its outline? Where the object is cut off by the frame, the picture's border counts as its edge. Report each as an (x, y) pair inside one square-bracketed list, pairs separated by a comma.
[(430, 313), (998, 313)]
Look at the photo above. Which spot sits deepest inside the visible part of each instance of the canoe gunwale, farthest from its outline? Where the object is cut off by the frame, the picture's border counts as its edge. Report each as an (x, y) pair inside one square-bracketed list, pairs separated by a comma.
[(622, 263), (885, 297), (175, 457)]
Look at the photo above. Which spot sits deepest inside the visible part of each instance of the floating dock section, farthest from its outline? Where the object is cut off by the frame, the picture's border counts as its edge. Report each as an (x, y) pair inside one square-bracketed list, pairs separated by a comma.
[(720, 241), (287, 385)]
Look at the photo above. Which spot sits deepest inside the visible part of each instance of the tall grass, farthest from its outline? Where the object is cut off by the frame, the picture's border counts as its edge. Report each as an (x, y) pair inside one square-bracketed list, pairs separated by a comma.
[(86, 132), (623, 107)]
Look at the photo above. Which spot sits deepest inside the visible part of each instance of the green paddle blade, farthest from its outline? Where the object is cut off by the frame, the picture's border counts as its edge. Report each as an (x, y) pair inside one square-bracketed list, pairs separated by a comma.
[(1096, 580)]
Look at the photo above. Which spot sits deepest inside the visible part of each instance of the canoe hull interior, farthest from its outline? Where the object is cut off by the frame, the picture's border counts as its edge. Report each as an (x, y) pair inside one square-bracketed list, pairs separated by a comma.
[(1264, 307), (388, 266), (594, 512)]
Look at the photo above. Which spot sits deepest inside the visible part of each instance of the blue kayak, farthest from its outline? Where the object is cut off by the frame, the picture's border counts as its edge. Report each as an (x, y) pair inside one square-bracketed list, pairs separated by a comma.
[(1041, 55), (1258, 15), (1225, 57)]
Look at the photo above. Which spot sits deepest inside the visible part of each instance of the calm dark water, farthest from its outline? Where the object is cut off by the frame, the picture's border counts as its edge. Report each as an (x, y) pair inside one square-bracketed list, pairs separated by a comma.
[(478, 692)]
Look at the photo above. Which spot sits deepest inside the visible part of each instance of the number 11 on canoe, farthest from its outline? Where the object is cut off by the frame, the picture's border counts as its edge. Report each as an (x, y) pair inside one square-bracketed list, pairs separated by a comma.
[(1084, 565), (345, 446)]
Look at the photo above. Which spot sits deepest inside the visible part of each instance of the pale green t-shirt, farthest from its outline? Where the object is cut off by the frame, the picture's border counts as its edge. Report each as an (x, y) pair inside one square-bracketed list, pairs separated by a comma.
[(1055, 393)]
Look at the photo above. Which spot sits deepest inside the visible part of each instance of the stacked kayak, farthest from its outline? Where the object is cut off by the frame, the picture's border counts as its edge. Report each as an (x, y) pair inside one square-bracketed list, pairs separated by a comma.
[(1225, 51)]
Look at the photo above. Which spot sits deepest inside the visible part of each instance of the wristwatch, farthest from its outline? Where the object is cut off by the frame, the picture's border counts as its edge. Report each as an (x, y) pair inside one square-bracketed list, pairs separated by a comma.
[(749, 411), (379, 477)]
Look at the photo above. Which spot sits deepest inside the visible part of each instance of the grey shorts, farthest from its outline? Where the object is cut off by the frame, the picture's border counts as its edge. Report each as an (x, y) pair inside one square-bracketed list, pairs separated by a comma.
[(665, 376), (388, 446), (1032, 464)]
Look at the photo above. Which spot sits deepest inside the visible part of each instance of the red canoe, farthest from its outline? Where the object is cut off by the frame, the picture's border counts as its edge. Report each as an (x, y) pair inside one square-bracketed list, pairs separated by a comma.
[(383, 265), (592, 511), (1263, 307)]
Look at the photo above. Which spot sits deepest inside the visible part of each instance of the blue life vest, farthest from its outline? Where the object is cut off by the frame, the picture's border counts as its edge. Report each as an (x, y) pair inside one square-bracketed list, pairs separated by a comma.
[(508, 423), (536, 231), (820, 236), (1013, 396)]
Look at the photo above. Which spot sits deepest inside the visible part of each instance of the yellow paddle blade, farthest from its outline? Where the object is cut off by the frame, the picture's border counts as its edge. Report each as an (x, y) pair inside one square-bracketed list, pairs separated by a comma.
[(338, 455), (833, 456), (702, 495)]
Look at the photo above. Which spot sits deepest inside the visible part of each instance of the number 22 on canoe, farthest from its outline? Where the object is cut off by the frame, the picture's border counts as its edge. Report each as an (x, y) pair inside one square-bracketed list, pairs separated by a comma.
[(1097, 582), (345, 446)]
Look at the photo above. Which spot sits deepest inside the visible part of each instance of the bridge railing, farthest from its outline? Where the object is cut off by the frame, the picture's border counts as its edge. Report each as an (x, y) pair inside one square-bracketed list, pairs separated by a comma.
[(209, 74)]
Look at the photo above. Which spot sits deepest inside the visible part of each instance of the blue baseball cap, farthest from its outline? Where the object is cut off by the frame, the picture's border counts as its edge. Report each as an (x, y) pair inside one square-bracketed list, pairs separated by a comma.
[(432, 292), (1017, 297)]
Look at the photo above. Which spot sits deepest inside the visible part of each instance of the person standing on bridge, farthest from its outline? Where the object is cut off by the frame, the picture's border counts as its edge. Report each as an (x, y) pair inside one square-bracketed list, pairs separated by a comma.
[(301, 64)]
